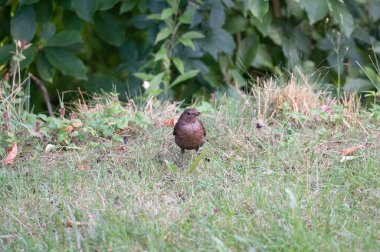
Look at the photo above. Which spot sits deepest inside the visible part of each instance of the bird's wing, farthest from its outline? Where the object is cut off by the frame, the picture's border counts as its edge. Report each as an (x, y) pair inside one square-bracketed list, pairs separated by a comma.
[(203, 127), (175, 129)]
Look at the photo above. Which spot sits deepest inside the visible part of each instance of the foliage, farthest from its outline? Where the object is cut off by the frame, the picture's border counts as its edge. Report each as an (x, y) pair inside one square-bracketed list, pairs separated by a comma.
[(190, 48), (109, 119)]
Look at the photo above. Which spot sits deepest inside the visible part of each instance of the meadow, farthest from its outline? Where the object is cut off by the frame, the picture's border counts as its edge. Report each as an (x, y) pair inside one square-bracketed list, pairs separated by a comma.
[(284, 169)]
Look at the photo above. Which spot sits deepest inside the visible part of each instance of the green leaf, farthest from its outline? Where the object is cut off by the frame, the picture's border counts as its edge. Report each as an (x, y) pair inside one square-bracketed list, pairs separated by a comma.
[(45, 70), (187, 42), (29, 55), (376, 47), (109, 29), (371, 74), (154, 92), (25, 2), (185, 76), (316, 10), (144, 76), (341, 15), (174, 4), (238, 78), (264, 24), (179, 64), (259, 8), (276, 34), (6, 53), (217, 41), (166, 13), (155, 82), (262, 58), (143, 5), (374, 11), (127, 5), (291, 52), (47, 31), (106, 4), (43, 117), (44, 11), (85, 9), (71, 21), (188, 15), (247, 50), (65, 38), (66, 62), (101, 81), (155, 16), (193, 35), (163, 34), (162, 53), (23, 23), (236, 23), (358, 85), (217, 15)]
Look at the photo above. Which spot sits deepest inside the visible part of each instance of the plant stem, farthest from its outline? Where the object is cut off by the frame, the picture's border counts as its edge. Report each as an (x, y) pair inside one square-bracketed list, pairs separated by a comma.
[(41, 85)]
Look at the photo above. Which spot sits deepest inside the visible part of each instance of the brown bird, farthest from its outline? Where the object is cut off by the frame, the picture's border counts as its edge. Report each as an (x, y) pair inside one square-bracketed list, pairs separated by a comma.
[(189, 132)]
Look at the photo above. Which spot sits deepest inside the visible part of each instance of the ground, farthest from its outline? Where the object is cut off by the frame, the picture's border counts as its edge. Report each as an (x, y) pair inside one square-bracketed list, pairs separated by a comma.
[(304, 181)]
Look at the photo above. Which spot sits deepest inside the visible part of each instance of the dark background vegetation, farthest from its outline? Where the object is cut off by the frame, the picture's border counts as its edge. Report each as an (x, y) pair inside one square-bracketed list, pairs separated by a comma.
[(188, 49)]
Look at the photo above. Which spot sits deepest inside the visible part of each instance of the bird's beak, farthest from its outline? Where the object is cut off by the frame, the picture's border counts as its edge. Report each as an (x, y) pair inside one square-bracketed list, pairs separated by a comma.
[(199, 113)]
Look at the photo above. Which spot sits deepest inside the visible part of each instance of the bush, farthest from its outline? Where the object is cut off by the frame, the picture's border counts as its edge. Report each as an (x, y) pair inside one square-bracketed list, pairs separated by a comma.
[(186, 49)]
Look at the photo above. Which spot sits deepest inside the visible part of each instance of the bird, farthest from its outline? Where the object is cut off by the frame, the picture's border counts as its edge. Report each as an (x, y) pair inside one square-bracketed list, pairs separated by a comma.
[(189, 132)]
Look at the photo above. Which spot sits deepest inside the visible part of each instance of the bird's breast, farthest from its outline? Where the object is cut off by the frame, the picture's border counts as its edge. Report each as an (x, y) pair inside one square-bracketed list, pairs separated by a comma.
[(190, 135)]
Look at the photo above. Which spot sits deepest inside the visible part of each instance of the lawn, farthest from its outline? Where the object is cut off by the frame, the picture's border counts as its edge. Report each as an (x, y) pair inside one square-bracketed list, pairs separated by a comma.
[(305, 180)]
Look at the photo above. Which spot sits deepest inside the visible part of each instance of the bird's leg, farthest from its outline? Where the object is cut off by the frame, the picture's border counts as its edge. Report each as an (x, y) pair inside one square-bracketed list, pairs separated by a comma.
[(197, 151), (182, 154)]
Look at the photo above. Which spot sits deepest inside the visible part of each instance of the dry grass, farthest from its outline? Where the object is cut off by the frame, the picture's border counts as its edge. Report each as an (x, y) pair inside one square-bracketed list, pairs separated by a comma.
[(300, 97), (272, 98)]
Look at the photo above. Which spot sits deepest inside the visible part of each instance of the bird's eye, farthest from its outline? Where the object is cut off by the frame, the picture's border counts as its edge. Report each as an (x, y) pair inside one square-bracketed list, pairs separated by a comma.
[(188, 113)]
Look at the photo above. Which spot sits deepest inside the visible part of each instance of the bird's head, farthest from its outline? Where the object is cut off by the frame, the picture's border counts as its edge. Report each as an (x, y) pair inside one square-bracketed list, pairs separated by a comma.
[(190, 113)]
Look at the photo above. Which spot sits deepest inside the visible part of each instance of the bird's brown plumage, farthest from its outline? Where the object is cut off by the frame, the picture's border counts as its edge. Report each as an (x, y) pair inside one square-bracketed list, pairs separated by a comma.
[(189, 132)]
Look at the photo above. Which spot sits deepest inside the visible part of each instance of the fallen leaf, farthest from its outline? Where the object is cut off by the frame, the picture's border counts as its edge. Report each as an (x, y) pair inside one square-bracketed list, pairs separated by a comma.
[(6, 116), (69, 129), (327, 109), (77, 124), (12, 153), (83, 167), (167, 122), (121, 148), (170, 122), (71, 223), (62, 112), (212, 98), (348, 158), (49, 148), (36, 130), (351, 150)]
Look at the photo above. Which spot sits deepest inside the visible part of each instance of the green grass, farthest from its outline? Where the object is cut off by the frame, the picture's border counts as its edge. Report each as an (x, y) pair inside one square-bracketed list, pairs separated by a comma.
[(279, 188)]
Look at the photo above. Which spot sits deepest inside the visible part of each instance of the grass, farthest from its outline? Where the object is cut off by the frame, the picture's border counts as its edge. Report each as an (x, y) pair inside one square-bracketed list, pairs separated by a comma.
[(285, 186)]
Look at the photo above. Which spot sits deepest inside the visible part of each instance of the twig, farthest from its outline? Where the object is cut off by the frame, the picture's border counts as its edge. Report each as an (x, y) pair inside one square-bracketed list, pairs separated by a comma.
[(277, 8), (41, 85), (238, 39)]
